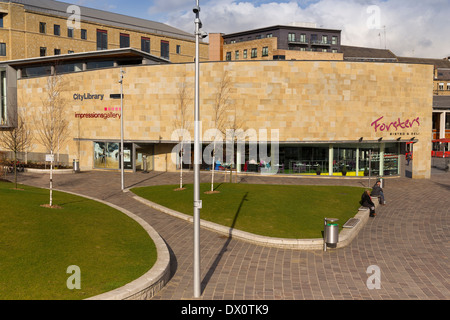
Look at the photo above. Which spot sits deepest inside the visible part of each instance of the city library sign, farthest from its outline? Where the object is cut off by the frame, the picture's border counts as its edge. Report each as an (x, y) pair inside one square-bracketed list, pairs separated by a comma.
[(87, 96), (397, 127)]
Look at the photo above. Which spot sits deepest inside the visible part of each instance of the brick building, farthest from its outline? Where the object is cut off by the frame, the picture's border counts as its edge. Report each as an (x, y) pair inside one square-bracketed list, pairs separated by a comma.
[(31, 29)]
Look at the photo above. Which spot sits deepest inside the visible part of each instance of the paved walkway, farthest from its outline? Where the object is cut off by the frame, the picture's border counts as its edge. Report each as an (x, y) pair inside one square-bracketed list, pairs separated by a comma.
[(409, 241)]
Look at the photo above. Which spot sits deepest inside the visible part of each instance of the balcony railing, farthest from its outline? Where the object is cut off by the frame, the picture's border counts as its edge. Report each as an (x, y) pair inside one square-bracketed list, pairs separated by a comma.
[(299, 41), (321, 42)]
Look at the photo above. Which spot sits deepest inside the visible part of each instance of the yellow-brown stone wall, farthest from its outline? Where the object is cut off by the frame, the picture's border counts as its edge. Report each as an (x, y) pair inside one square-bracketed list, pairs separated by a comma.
[(307, 101)]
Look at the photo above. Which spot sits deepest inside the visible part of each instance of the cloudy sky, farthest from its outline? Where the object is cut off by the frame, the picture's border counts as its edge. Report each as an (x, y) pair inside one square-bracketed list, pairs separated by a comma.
[(408, 28)]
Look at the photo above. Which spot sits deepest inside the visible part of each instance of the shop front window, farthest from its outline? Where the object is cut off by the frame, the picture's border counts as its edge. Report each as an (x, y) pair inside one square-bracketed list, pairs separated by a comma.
[(304, 160), (107, 155)]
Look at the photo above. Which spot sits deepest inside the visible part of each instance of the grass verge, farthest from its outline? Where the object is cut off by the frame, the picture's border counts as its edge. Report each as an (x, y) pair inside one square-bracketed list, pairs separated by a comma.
[(291, 212), (38, 244)]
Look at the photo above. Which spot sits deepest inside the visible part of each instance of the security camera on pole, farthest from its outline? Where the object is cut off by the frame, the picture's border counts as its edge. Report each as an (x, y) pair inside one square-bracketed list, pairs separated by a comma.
[(197, 154)]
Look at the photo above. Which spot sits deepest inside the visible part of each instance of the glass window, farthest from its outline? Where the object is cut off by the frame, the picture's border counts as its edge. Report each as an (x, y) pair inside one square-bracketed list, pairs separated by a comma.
[(42, 27), (57, 52), (107, 155), (42, 51), (254, 53), (447, 121), (57, 30), (69, 67), (265, 51), (291, 37), (303, 38), (164, 49), (324, 39), (99, 64), (178, 49), (236, 55), (3, 49), (102, 39), (269, 35), (244, 54), (2, 15), (145, 44), (83, 34), (334, 40), (124, 40), (228, 56), (36, 71), (70, 32), (441, 86)]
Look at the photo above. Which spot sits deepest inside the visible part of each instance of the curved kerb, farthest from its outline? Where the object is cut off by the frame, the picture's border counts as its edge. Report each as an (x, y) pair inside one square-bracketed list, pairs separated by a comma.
[(345, 236), (146, 286)]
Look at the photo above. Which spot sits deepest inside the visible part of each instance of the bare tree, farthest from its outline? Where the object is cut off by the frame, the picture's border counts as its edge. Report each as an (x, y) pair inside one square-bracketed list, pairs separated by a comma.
[(16, 140), (220, 107), (52, 126), (235, 131), (182, 120)]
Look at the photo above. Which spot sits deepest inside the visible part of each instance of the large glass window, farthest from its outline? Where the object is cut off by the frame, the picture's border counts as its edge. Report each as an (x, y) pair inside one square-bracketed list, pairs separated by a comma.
[(447, 121), (36, 71), (107, 155), (145, 44), (124, 40), (102, 39), (164, 49), (99, 64), (69, 67), (304, 159)]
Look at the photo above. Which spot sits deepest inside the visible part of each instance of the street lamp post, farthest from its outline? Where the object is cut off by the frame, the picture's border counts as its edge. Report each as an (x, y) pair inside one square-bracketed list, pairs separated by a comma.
[(121, 129), (197, 154)]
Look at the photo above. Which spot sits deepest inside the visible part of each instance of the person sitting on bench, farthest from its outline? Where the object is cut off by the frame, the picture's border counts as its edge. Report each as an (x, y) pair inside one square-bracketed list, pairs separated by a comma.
[(366, 201), (377, 191)]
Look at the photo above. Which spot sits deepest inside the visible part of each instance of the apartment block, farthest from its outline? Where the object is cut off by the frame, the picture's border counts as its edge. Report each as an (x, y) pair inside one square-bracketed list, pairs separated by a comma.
[(290, 42)]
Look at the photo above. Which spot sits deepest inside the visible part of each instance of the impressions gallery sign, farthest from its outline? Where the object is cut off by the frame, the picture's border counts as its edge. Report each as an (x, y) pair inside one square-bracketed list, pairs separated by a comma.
[(109, 112)]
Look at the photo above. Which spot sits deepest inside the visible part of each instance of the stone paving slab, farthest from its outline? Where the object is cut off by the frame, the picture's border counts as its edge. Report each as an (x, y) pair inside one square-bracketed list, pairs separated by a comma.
[(408, 241)]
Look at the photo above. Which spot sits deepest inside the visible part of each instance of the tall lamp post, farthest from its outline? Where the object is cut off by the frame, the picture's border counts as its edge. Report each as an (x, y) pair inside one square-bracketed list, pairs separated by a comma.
[(197, 154), (121, 129)]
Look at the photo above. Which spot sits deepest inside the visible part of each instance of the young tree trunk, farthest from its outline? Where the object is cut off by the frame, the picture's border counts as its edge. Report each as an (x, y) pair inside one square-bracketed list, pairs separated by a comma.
[(213, 166), (51, 181)]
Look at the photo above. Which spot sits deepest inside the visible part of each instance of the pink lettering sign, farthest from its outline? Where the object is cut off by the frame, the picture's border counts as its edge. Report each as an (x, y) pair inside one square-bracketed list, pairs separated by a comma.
[(382, 126)]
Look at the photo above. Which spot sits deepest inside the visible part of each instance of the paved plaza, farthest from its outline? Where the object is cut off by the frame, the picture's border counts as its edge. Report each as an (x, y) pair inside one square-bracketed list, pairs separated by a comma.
[(408, 241)]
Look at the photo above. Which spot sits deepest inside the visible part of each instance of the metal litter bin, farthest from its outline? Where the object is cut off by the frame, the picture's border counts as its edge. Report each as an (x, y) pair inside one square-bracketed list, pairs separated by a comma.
[(331, 233), (76, 165)]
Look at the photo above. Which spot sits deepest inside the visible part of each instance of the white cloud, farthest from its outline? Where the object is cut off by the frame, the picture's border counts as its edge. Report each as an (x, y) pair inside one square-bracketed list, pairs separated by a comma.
[(413, 28)]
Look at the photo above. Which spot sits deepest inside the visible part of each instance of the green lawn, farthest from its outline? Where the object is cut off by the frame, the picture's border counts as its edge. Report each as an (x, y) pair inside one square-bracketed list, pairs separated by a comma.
[(38, 244), (282, 211)]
